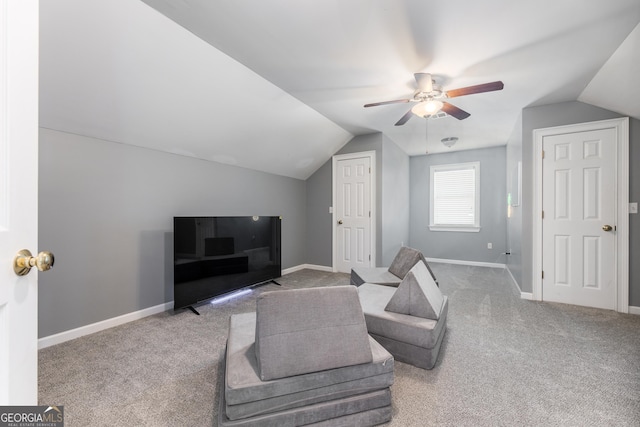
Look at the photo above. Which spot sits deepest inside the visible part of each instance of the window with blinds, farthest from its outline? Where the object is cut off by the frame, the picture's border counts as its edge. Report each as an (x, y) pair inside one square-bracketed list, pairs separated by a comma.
[(455, 197)]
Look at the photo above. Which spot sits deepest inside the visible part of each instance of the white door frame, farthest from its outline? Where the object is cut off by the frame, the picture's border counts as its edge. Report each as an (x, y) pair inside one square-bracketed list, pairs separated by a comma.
[(621, 126), (372, 161)]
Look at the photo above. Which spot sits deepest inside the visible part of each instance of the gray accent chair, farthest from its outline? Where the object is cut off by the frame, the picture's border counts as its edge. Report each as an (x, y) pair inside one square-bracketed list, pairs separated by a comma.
[(404, 260), (304, 358), (410, 320)]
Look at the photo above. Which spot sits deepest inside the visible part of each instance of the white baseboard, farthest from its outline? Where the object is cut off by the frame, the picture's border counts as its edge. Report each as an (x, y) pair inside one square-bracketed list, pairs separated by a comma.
[(136, 315), (634, 310), (523, 295), (305, 266), (526, 295), (472, 263), (102, 325)]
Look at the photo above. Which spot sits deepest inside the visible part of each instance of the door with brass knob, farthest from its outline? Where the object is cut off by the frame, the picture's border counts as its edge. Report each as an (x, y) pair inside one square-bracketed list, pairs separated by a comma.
[(24, 261), (579, 198), (18, 201), (353, 209)]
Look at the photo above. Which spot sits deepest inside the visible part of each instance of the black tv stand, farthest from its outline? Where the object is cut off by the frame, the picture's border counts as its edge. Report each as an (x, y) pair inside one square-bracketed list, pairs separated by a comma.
[(190, 307)]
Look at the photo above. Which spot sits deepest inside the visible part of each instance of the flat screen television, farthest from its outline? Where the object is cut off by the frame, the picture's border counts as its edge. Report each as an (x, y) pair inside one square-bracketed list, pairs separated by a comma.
[(216, 255)]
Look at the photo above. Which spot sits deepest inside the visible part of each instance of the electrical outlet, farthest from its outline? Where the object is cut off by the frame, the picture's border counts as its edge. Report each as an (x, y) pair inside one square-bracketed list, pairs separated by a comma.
[(489, 245), (633, 208)]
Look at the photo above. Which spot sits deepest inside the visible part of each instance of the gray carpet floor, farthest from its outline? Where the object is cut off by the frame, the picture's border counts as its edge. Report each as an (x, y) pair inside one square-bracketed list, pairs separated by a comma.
[(503, 362)]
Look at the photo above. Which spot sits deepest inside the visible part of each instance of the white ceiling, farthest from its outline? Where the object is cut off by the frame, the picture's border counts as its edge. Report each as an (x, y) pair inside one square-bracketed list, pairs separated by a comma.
[(615, 87), (279, 86)]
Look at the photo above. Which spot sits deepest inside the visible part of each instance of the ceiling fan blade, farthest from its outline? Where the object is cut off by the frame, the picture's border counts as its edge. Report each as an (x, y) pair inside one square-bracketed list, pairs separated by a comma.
[(404, 118), (454, 111), (425, 82), (485, 87), (397, 101)]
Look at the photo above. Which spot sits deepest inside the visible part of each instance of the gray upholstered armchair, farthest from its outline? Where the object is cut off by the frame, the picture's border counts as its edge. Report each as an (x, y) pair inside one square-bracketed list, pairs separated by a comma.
[(410, 320)]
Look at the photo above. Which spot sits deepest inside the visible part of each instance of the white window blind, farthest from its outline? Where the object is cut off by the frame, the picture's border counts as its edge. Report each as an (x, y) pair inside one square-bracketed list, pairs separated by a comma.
[(455, 197)]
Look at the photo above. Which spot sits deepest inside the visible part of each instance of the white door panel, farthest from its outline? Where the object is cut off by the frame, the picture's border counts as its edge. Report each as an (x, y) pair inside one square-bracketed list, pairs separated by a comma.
[(353, 213), (18, 199), (579, 198)]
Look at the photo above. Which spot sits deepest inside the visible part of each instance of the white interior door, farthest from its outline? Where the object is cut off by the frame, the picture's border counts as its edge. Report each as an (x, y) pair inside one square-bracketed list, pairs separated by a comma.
[(579, 226), (353, 213), (18, 199)]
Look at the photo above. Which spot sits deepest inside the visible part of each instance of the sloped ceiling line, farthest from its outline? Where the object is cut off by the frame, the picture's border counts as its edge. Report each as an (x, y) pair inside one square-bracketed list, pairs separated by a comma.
[(280, 86)]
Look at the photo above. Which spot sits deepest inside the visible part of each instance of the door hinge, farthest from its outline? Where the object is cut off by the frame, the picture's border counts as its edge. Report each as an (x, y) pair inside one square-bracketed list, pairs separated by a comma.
[(542, 214), (369, 169), (369, 214), (543, 154), (543, 274), (369, 257)]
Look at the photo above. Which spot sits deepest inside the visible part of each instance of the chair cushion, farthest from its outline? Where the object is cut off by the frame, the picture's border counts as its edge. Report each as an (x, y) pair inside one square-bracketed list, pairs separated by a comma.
[(248, 396), (377, 275), (413, 330), (417, 295), (361, 409), (308, 330), (404, 260), (420, 357)]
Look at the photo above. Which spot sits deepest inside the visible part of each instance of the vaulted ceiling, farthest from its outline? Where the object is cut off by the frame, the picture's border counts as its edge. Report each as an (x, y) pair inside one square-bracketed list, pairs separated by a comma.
[(279, 86)]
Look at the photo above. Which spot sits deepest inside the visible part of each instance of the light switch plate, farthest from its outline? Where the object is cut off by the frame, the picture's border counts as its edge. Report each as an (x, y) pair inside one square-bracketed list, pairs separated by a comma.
[(633, 208)]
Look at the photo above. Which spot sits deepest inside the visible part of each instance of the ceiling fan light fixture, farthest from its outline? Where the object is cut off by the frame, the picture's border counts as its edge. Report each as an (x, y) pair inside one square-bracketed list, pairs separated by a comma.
[(427, 108)]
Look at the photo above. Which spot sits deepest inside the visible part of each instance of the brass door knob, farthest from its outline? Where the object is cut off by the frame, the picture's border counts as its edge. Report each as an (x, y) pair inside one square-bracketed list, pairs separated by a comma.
[(23, 261), (607, 227), (340, 221)]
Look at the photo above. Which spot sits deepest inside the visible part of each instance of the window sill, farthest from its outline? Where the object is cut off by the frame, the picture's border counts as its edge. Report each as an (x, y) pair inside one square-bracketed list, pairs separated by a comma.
[(469, 229)]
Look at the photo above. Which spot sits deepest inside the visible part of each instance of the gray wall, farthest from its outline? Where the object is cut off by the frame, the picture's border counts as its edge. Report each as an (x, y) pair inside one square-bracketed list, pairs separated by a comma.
[(395, 201), (106, 212), (106, 209), (564, 114), (392, 184), (493, 209), (319, 200)]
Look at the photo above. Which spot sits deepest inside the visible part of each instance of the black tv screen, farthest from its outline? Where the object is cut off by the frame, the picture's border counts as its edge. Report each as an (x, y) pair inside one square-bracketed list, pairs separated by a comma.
[(217, 255)]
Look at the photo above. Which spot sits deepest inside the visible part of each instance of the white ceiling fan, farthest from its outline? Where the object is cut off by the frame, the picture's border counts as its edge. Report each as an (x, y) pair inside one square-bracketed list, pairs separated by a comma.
[(430, 98)]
